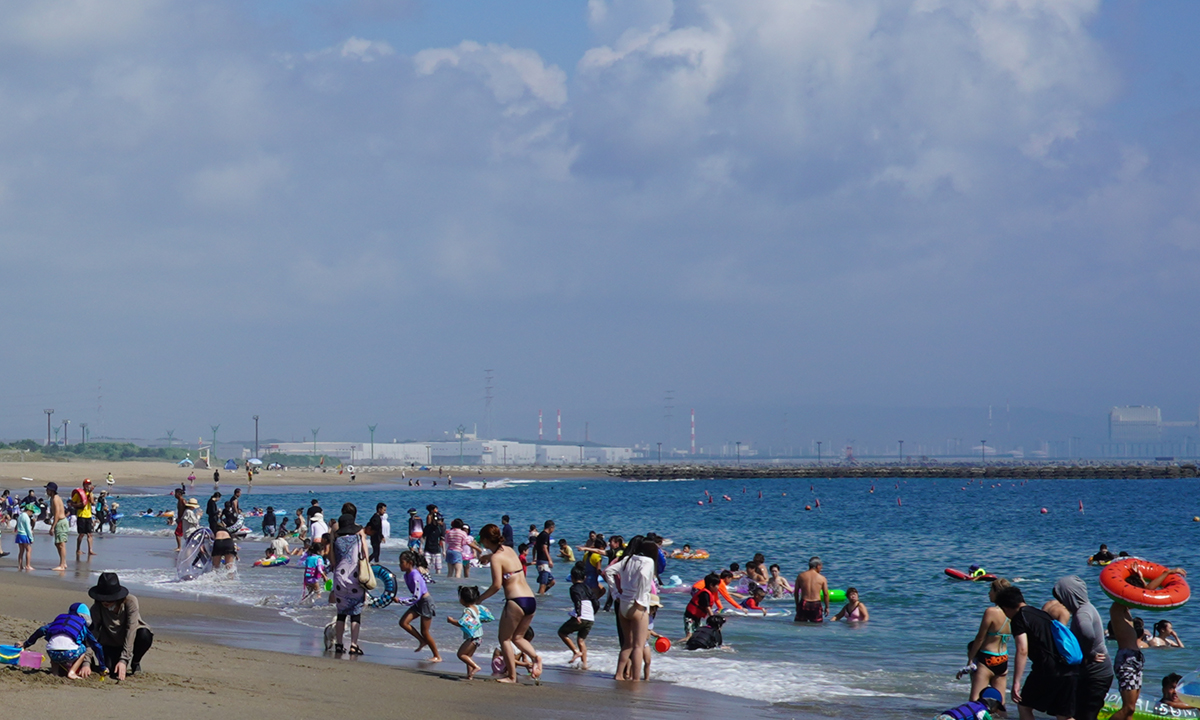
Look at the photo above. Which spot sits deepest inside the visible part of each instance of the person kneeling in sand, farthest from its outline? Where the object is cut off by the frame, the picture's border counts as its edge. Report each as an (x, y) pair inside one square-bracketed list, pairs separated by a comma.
[(68, 639)]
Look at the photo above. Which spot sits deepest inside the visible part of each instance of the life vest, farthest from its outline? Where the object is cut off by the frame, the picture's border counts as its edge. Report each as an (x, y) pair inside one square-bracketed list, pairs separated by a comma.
[(967, 711), (83, 508), (73, 626), (694, 608)]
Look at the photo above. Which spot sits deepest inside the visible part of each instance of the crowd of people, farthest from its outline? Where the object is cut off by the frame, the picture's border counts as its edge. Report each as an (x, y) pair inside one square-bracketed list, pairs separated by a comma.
[(624, 577)]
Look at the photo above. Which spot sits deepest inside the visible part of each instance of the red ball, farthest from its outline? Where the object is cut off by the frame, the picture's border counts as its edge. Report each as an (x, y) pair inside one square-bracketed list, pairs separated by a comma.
[(662, 644)]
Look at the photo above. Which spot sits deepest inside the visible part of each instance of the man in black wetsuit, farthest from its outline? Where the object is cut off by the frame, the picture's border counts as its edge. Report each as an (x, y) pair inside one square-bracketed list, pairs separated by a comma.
[(1050, 687), (1103, 557), (375, 530), (214, 511)]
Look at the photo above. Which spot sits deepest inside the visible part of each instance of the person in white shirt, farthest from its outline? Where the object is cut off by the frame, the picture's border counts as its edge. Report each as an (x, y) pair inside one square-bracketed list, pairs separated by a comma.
[(633, 577)]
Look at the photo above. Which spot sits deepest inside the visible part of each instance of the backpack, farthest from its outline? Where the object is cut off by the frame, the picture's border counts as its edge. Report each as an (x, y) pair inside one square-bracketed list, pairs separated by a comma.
[(1066, 643)]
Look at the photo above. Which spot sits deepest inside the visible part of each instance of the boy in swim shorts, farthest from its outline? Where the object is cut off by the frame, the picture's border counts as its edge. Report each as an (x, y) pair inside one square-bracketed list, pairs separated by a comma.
[(1128, 663), (68, 639)]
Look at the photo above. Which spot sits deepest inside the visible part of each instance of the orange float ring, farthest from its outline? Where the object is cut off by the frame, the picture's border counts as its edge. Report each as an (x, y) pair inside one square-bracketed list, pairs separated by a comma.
[(1114, 580)]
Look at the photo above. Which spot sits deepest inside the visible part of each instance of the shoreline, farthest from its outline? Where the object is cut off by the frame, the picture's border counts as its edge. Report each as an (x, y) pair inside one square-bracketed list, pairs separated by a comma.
[(262, 652)]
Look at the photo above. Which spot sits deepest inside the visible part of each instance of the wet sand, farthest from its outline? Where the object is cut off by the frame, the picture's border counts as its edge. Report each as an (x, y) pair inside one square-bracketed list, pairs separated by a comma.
[(141, 474), (182, 672)]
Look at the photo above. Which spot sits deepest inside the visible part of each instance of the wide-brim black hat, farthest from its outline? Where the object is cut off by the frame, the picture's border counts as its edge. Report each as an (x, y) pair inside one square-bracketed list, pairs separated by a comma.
[(347, 526), (108, 588)]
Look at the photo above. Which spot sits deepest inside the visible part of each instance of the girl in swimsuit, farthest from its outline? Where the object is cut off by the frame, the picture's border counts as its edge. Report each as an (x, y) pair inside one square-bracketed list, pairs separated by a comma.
[(633, 579), (519, 603), (989, 649), (854, 611)]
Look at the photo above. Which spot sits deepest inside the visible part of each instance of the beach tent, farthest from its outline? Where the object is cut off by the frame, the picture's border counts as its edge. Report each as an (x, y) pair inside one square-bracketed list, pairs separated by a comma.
[(186, 462), (254, 461), (231, 465)]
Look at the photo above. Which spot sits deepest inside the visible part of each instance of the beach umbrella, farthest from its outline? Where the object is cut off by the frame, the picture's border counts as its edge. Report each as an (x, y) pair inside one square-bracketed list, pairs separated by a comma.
[(254, 461)]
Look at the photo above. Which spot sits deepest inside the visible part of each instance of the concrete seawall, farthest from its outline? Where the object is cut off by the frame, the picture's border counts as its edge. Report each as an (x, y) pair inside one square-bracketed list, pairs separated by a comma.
[(997, 472)]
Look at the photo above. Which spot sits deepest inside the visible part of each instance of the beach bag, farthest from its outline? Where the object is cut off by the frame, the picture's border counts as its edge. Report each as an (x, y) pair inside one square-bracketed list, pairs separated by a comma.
[(1066, 644), (366, 576)]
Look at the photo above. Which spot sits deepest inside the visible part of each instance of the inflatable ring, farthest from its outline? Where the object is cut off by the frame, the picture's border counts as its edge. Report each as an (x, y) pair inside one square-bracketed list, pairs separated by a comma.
[(1114, 581), (272, 562), (693, 555), (1145, 709), (384, 593)]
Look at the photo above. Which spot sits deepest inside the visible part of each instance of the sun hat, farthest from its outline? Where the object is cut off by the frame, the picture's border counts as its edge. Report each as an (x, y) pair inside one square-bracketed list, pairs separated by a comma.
[(193, 503), (108, 588), (655, 601)]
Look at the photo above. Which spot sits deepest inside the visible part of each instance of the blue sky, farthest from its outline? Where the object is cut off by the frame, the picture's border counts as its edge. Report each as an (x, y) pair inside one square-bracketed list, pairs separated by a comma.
[(335, 214)]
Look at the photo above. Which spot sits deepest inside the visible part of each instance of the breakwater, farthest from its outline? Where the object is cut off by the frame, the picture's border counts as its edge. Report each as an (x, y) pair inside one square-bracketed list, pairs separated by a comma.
[(997, 471)]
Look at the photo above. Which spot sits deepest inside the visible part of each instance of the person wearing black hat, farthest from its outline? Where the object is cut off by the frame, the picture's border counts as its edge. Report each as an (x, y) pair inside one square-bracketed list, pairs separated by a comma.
[(349, 546), (117, 624)]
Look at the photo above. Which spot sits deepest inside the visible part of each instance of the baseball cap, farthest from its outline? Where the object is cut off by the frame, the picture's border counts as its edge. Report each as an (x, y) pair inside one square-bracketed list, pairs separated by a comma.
[(52, 486)]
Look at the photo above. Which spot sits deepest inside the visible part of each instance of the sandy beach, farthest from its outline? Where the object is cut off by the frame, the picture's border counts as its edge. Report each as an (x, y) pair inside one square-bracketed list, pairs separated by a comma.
[(182, 672), (133, 473)]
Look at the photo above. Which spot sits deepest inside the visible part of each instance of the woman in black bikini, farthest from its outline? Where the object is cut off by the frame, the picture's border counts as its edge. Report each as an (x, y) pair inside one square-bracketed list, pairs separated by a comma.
[(519, 603)]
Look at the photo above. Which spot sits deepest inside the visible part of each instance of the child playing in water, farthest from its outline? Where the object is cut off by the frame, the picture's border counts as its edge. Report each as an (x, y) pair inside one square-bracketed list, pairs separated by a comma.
[(1170, 695), (68, 638), (989, 701), (757, 595), (421, 604), (25, 537), (314, 571), (583, 615), (471, 622), (854, 611)]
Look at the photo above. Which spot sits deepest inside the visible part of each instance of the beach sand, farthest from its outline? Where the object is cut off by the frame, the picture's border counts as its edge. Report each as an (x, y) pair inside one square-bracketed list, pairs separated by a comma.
[(186, 674), (135, 473)]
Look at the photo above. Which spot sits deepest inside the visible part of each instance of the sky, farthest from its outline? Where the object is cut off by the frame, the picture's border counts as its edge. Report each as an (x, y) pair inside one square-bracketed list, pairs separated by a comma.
[(336, 214)]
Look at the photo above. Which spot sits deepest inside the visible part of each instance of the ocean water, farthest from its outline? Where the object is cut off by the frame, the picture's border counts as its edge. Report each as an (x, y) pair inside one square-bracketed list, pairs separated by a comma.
[(889, 538)]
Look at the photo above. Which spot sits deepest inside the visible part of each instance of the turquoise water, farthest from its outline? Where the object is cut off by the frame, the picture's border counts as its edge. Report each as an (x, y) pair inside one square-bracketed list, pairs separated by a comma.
[(902, 661)]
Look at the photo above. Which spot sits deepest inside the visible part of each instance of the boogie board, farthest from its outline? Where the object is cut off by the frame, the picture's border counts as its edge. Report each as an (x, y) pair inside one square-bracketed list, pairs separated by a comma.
[(960, 575), (195, 558)]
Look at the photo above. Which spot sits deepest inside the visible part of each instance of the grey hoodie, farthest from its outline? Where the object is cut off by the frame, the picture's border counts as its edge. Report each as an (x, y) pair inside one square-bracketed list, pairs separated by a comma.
[(1085, 619)]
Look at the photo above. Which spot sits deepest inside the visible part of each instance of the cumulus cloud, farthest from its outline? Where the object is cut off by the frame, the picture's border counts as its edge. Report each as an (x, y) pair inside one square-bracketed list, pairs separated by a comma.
[(808, 173)]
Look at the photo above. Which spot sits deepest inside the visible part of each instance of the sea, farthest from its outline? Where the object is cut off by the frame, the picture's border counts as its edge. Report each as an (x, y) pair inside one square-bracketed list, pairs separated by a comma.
[(891, 539)]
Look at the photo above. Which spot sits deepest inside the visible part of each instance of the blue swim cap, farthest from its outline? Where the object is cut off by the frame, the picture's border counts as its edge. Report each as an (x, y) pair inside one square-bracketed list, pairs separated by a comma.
[(81, 610)]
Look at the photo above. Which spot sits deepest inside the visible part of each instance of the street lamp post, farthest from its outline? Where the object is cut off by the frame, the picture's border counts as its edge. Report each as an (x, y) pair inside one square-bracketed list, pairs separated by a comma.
[(901, 452), (505, 446), (314, 432), (48, 412), (660, 453), (213, 452), (428, 454), (372, 429), (83, 432), (66, 440), (983, 452), (461, 431), (580, 454), (739, 453), (818, 452), (255, 436)]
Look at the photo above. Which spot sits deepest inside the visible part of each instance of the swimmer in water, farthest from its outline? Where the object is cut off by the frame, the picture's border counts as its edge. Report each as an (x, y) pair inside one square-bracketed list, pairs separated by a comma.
[(777, 584), (1164, 635), (854, 610)]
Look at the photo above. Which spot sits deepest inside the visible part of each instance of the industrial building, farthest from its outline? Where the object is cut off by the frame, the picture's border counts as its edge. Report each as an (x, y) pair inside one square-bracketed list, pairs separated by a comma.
[(454, 452), (1140, 431)]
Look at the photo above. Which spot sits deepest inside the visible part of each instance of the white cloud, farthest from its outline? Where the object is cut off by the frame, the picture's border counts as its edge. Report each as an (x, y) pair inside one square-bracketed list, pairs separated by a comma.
[(514, 76), (76, 26)]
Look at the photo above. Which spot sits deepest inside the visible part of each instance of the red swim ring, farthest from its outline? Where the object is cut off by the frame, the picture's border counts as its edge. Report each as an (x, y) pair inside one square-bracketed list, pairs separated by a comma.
[(1114, 580)]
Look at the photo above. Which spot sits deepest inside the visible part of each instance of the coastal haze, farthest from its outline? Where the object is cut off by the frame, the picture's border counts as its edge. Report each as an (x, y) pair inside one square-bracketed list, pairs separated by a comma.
[(854, 223)]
